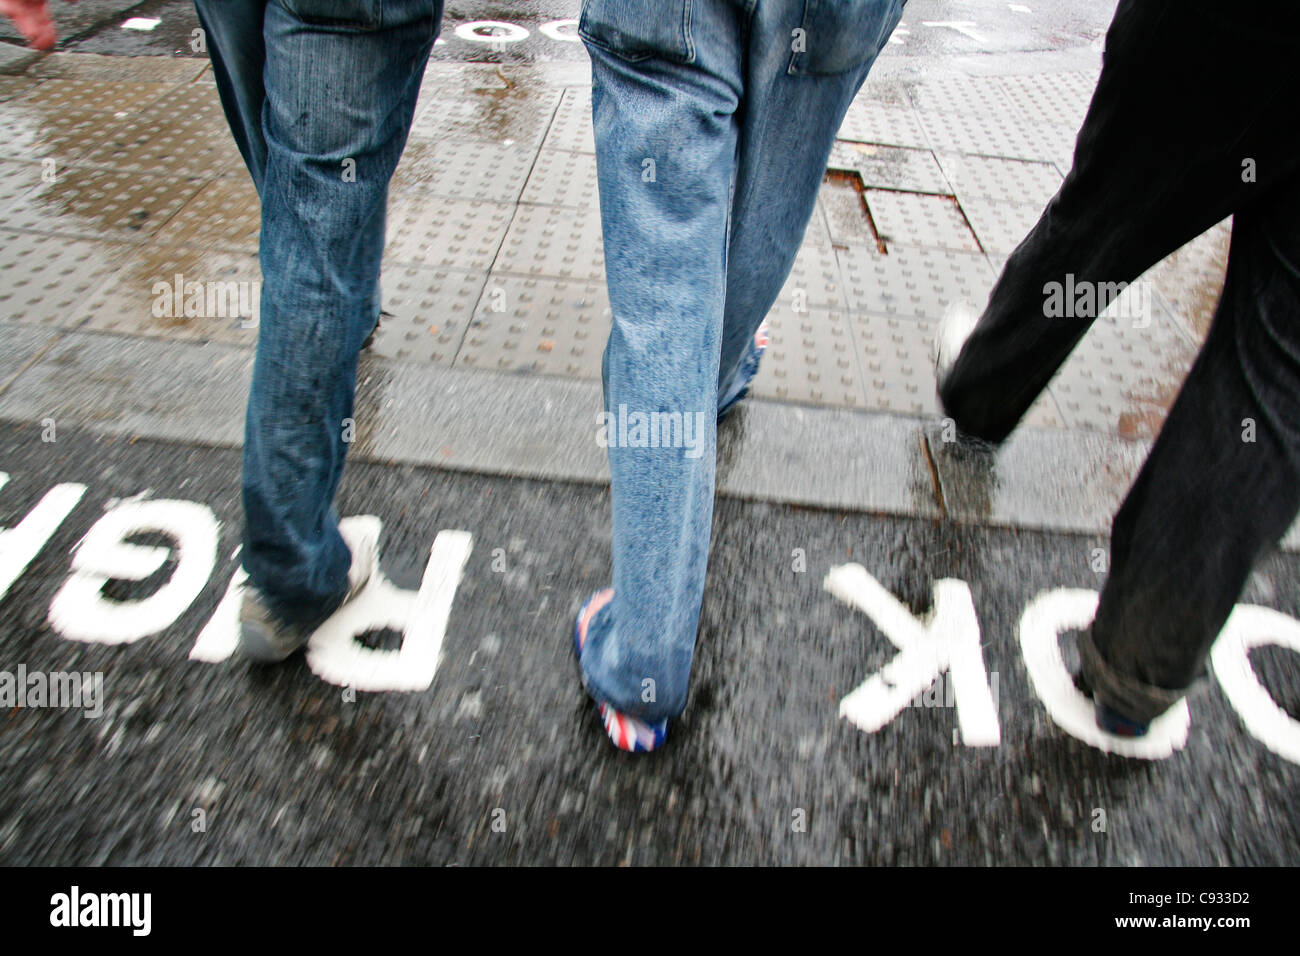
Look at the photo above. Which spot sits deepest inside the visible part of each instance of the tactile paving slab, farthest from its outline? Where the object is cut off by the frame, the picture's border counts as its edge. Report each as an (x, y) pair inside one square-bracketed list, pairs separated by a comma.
[(430, 310), (563, 178), (225, 214), (960, 94), (31, 127), (17, 178), (883, 92), (871, 122), (449, 233), (913, 283), (515, 116), (182, 134), (1000, 180), (464, 169), (814, 279), (1191, 279), (896, 356), (102, 203), (897, 369), (556, 242), (917, 219), (1121, 379), (810, 359), (890, 167), (816, 233), (48, 280), (1000, 226), (1058, 98), (120, 69), (540, 325), (220, 290), (571, 129), (110, 98), (1044, 413), (846, 214), (11, 86), (997, 135)]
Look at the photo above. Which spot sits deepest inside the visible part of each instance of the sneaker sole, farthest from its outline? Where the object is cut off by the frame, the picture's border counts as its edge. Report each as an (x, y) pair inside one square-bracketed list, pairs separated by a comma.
[(258, 645)]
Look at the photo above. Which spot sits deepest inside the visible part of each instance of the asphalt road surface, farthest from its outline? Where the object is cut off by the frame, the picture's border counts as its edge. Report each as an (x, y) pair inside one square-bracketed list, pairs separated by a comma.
[(497, 756)]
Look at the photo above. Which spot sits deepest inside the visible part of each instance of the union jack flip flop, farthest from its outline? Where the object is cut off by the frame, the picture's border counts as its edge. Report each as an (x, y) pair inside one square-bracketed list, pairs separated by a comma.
[(627, 733)]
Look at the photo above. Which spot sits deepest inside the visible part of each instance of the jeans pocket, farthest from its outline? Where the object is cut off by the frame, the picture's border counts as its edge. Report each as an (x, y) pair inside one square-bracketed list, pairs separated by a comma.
[(357, 14), (639, 29), (841, 35)]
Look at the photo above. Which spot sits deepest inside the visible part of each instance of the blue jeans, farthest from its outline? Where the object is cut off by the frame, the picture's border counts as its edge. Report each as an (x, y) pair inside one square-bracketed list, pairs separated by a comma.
[(319, 95), (714, 120)]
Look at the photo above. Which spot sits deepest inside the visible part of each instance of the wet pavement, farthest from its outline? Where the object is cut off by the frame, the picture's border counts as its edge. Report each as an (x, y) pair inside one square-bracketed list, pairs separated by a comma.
[(199, 758), (944, 163), (121, 192)]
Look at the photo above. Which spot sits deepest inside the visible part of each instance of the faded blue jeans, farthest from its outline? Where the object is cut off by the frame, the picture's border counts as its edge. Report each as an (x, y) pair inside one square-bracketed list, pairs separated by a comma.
[(714, 120), (319, 95)]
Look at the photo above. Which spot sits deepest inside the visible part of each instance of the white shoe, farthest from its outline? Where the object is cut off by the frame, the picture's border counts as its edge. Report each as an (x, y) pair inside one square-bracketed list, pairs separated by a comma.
[(266, 639), (954, 329), (361, 533)]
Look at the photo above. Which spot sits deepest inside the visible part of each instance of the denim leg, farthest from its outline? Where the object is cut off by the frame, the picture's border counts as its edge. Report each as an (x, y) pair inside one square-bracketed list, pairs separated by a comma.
[(340, 89), (1159, 160), (788, 127), (233, 29), (665, 149), (1221, 485)]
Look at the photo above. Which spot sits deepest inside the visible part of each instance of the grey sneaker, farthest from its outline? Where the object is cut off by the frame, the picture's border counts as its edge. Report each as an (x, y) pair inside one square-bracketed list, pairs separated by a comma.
[(954, 329), (266, 639)]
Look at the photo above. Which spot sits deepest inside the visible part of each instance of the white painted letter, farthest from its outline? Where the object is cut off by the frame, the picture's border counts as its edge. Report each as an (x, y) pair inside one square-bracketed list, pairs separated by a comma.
[(1041, 625), (20, 544), (81, 613), (1249, 627), (335, 656), (948, 641)]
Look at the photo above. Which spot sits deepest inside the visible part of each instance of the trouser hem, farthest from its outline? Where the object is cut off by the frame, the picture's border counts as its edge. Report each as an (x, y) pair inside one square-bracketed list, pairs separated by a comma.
[(1134, 699)]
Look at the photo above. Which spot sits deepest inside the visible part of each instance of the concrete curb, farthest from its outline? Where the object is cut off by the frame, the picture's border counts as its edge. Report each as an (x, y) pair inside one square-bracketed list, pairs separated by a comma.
[(545, 428)]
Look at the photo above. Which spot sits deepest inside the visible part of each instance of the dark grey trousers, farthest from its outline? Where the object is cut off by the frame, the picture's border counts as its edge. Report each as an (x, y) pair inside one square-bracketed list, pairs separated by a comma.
[(1194, 96)]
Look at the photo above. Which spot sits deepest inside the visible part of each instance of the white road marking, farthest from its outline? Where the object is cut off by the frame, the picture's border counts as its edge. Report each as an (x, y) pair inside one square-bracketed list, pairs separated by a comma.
[(948, 641), (1044, 619), (141, 23), (220, 636), (512, 32), (1018, 8), (1248, 627), (21, 543), (961, 26), (334, 655), (552, 29), (80, 612)]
